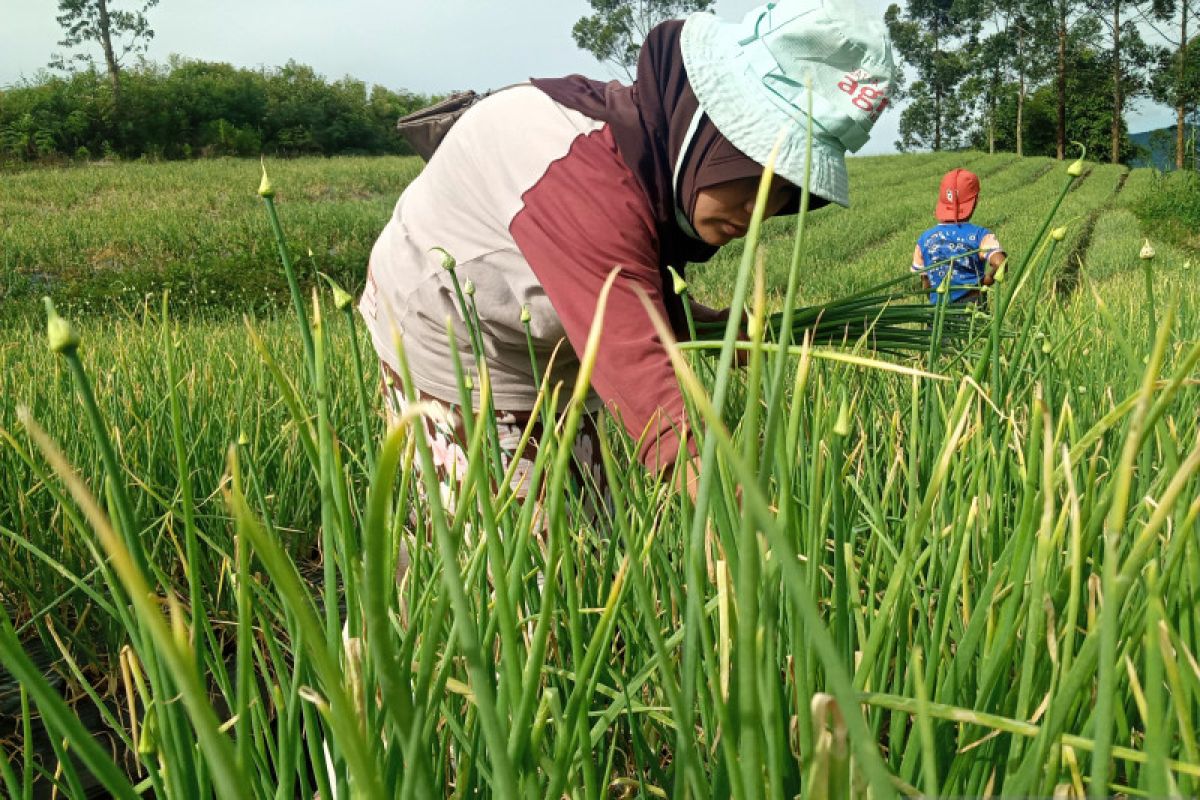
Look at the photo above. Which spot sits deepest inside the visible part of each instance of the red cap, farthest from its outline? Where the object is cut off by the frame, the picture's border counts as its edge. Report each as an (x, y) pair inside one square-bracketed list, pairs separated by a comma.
[(957, 196)]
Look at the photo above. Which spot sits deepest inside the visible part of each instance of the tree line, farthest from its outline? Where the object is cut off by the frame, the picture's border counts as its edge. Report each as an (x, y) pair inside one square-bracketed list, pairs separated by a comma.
[(190, 109), (85, 109), (1027, 76), (1031, 76)]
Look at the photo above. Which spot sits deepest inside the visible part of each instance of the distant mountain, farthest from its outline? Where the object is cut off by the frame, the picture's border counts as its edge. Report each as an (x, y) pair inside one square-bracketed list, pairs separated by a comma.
[(1157, 148)]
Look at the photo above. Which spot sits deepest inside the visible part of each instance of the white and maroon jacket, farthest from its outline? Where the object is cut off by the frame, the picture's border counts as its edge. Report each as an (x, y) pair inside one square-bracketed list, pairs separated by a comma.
[(537, 206)]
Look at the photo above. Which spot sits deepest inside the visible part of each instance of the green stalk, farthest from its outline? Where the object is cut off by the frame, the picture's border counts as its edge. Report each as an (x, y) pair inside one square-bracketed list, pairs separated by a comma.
[(170, 645), (343, 302), (1035, 611), (504, 774), (505, 613), (1151, 310), (267, 193), (353, 743), (245, 643), (694, 570), (300, 416), (929, 773), (533, 362), (331, 531), (360, 385), (196, 601), (379, 589), (795, 580), (1155, 724), (1011, 726), (1083, 669), (842, 548), (1114, 526), (992, 343), (749, 571), (126, 520), (59, 717), (470, 317), (681, 289)]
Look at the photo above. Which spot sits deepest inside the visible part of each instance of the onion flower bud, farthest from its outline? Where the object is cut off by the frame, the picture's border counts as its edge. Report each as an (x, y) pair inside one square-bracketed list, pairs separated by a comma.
[(341, 298), (265, 189), (680, 285), (1076, 169), (448, 262), (61, 337), (842, 426)]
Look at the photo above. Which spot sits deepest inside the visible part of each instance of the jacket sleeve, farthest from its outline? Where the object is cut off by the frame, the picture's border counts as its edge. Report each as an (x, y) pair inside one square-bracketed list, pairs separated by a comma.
[(584, 217)]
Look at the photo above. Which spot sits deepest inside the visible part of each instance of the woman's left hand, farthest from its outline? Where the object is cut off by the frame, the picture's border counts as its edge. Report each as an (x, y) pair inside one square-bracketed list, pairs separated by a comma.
[(702, 313)]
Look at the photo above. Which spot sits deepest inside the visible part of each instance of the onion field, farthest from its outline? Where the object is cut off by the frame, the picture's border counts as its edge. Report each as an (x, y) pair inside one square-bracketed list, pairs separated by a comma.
[(971, 569)]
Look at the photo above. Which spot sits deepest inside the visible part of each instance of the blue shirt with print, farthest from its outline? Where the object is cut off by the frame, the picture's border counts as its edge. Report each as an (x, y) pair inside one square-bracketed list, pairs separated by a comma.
[(954, 248)]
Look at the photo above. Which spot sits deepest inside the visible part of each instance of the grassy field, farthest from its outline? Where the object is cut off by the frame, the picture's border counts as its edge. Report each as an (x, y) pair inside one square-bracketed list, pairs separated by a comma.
[(105, 235), (966, 572)]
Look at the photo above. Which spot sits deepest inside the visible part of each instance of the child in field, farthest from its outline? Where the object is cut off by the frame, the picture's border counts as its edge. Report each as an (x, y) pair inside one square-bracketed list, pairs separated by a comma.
[(540, 190), (968, 253)]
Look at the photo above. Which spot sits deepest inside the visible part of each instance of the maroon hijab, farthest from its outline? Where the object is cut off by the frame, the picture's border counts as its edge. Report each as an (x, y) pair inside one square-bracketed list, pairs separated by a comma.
[(650, 121)]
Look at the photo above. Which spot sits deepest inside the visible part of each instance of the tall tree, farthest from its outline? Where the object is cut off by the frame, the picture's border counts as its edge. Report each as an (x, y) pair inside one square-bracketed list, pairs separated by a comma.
[(1013, 57), (1063, 10), (1088, 112), (1129, 56), (615, 30), (118, 32), (934, 37), (988, 80), (1176, 82)]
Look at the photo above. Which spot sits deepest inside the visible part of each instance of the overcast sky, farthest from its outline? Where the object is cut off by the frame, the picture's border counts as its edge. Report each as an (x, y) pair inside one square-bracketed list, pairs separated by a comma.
[(426, 46)]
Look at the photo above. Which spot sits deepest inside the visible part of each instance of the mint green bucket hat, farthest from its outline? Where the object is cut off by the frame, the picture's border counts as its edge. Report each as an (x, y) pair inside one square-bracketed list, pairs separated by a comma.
[(751, 79)]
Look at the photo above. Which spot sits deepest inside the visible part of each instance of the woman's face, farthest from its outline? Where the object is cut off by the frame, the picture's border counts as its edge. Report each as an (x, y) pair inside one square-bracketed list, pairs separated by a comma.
[(722, 212)]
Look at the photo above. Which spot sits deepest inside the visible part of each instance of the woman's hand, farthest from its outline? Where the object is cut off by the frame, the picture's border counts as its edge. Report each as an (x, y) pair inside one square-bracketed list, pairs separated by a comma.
[(702, 313)]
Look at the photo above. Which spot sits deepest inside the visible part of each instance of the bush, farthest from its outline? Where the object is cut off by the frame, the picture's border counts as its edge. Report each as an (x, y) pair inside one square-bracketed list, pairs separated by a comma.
[(1170, 203)]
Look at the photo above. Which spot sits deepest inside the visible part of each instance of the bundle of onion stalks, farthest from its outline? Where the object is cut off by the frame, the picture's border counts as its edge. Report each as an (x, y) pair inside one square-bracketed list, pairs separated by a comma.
[(890, 317)]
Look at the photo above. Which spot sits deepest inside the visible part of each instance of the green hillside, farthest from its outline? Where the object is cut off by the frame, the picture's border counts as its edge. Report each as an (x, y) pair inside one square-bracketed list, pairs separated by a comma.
[(971, 570)]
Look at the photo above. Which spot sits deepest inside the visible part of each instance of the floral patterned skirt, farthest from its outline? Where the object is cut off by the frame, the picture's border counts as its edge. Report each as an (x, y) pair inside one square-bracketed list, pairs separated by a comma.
[(448, 442)]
